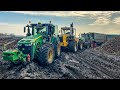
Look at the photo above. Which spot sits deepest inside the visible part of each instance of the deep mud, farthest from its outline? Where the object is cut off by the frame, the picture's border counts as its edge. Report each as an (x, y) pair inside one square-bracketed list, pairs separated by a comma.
[(87, 64)]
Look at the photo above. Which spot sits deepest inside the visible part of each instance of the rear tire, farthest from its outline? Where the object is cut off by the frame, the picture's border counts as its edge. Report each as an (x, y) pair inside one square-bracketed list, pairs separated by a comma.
[(46, 54), (80, 45), (73, 46)]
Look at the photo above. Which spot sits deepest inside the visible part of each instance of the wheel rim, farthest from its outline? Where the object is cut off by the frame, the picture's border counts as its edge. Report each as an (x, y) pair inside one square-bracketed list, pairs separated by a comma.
[(58, 49), (50, 56)]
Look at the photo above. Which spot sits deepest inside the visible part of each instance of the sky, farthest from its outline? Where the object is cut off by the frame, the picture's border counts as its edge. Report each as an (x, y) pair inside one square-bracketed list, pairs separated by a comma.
[(107, 22)]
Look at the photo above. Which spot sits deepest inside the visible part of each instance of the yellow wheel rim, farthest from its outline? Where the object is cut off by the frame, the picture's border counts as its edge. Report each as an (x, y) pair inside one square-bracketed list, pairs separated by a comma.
[(50, 56)]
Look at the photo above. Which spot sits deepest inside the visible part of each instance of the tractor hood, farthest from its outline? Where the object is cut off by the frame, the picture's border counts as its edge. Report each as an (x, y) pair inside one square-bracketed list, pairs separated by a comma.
[(29, 39)]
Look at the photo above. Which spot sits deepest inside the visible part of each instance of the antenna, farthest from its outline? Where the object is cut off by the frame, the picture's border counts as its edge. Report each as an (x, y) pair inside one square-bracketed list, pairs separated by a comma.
[(29, 22), (71, 24), (50, 21)]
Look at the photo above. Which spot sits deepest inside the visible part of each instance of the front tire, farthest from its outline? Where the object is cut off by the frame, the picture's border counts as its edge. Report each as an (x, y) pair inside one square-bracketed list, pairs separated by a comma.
[(46, 54)]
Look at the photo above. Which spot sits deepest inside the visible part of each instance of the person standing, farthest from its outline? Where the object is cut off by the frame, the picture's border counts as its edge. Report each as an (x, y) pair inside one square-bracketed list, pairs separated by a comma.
[(94, 44)]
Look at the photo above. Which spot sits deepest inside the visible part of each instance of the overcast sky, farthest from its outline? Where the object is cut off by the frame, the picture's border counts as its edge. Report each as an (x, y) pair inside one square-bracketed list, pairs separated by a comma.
[(107, 22)]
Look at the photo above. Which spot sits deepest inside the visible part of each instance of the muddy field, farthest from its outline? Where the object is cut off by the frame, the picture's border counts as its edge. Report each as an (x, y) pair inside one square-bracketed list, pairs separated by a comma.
[(85, 64)]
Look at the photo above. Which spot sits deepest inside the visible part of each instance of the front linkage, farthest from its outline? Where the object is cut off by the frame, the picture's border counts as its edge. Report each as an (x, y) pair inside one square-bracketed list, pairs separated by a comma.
[(15, 56)]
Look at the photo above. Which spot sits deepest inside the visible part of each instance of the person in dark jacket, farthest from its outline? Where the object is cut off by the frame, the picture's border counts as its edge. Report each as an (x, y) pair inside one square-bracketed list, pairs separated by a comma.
[(94, 44)]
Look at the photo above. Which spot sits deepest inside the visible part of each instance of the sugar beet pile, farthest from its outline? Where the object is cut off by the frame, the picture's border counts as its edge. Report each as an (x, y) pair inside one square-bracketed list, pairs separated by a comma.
[(112, 46), (86, 64)]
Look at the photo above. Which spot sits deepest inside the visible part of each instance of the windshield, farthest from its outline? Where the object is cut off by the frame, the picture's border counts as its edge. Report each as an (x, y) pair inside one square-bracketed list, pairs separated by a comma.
[(41, 30), (65, 31)]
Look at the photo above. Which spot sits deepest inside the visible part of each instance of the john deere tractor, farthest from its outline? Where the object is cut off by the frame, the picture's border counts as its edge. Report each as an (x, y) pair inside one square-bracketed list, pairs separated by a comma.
[(41, 43), (68, 38)]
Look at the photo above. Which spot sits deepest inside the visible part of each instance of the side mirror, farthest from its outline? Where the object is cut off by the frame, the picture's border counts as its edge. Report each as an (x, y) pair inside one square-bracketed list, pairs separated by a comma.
[(24, 29)]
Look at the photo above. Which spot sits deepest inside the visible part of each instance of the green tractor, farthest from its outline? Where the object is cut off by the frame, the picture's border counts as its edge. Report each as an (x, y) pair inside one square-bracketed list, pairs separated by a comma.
[(41, 43)]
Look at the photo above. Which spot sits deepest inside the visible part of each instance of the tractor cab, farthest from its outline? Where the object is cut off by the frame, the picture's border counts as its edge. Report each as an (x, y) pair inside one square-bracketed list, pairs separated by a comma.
[(69, 31), (68, 34), (47, 30)]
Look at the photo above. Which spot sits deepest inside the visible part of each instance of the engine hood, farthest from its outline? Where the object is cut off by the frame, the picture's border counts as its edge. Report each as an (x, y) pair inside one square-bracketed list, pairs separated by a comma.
[(29, 39)]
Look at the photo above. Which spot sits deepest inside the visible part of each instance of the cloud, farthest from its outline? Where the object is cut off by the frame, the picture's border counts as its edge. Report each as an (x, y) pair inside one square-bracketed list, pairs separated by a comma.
[(113, 29), (99, 17), (101, 21), (92, 14), (116, 21)]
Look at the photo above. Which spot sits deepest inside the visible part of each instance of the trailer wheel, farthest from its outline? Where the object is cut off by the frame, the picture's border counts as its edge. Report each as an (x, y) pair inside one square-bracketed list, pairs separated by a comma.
[(73, 46), (46, 54)]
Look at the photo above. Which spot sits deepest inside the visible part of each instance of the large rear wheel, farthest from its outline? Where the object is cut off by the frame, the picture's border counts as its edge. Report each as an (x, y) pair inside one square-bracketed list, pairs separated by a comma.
[(80, 45), (46, 54), (73, 46)]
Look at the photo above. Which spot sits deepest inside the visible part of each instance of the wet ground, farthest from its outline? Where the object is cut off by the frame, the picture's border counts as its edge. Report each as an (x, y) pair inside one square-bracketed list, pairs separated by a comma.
[(87, 64)]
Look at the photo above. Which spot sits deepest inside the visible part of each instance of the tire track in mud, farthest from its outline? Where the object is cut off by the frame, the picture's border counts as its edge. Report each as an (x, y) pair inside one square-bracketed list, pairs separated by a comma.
[(108, 59), (97, 64), (80, 65), (90, 69), (73, 67), (70, 69), (83, 71), (112, 68), (99, 69)]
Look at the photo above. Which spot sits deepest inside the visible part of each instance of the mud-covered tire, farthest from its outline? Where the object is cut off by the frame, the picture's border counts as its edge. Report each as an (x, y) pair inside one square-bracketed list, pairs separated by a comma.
[(46, 54), (57, 51), (80, 45), (73, 46)]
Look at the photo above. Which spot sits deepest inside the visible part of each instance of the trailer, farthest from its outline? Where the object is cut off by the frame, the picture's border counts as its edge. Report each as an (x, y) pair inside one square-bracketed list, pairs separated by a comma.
[(91, 37), (98, 38), (110, 36)]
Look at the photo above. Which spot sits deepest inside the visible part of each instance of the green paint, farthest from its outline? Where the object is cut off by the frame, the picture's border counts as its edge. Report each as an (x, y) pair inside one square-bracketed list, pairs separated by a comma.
[(35, 41)]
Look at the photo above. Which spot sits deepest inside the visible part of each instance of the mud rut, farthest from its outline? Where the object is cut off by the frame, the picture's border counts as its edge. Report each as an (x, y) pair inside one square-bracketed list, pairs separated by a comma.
[(85, 64)]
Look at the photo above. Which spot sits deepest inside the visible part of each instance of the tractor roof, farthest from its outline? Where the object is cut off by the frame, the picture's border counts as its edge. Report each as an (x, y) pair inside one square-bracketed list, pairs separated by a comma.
[(43, 24), (66, 28), (47, 24)]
